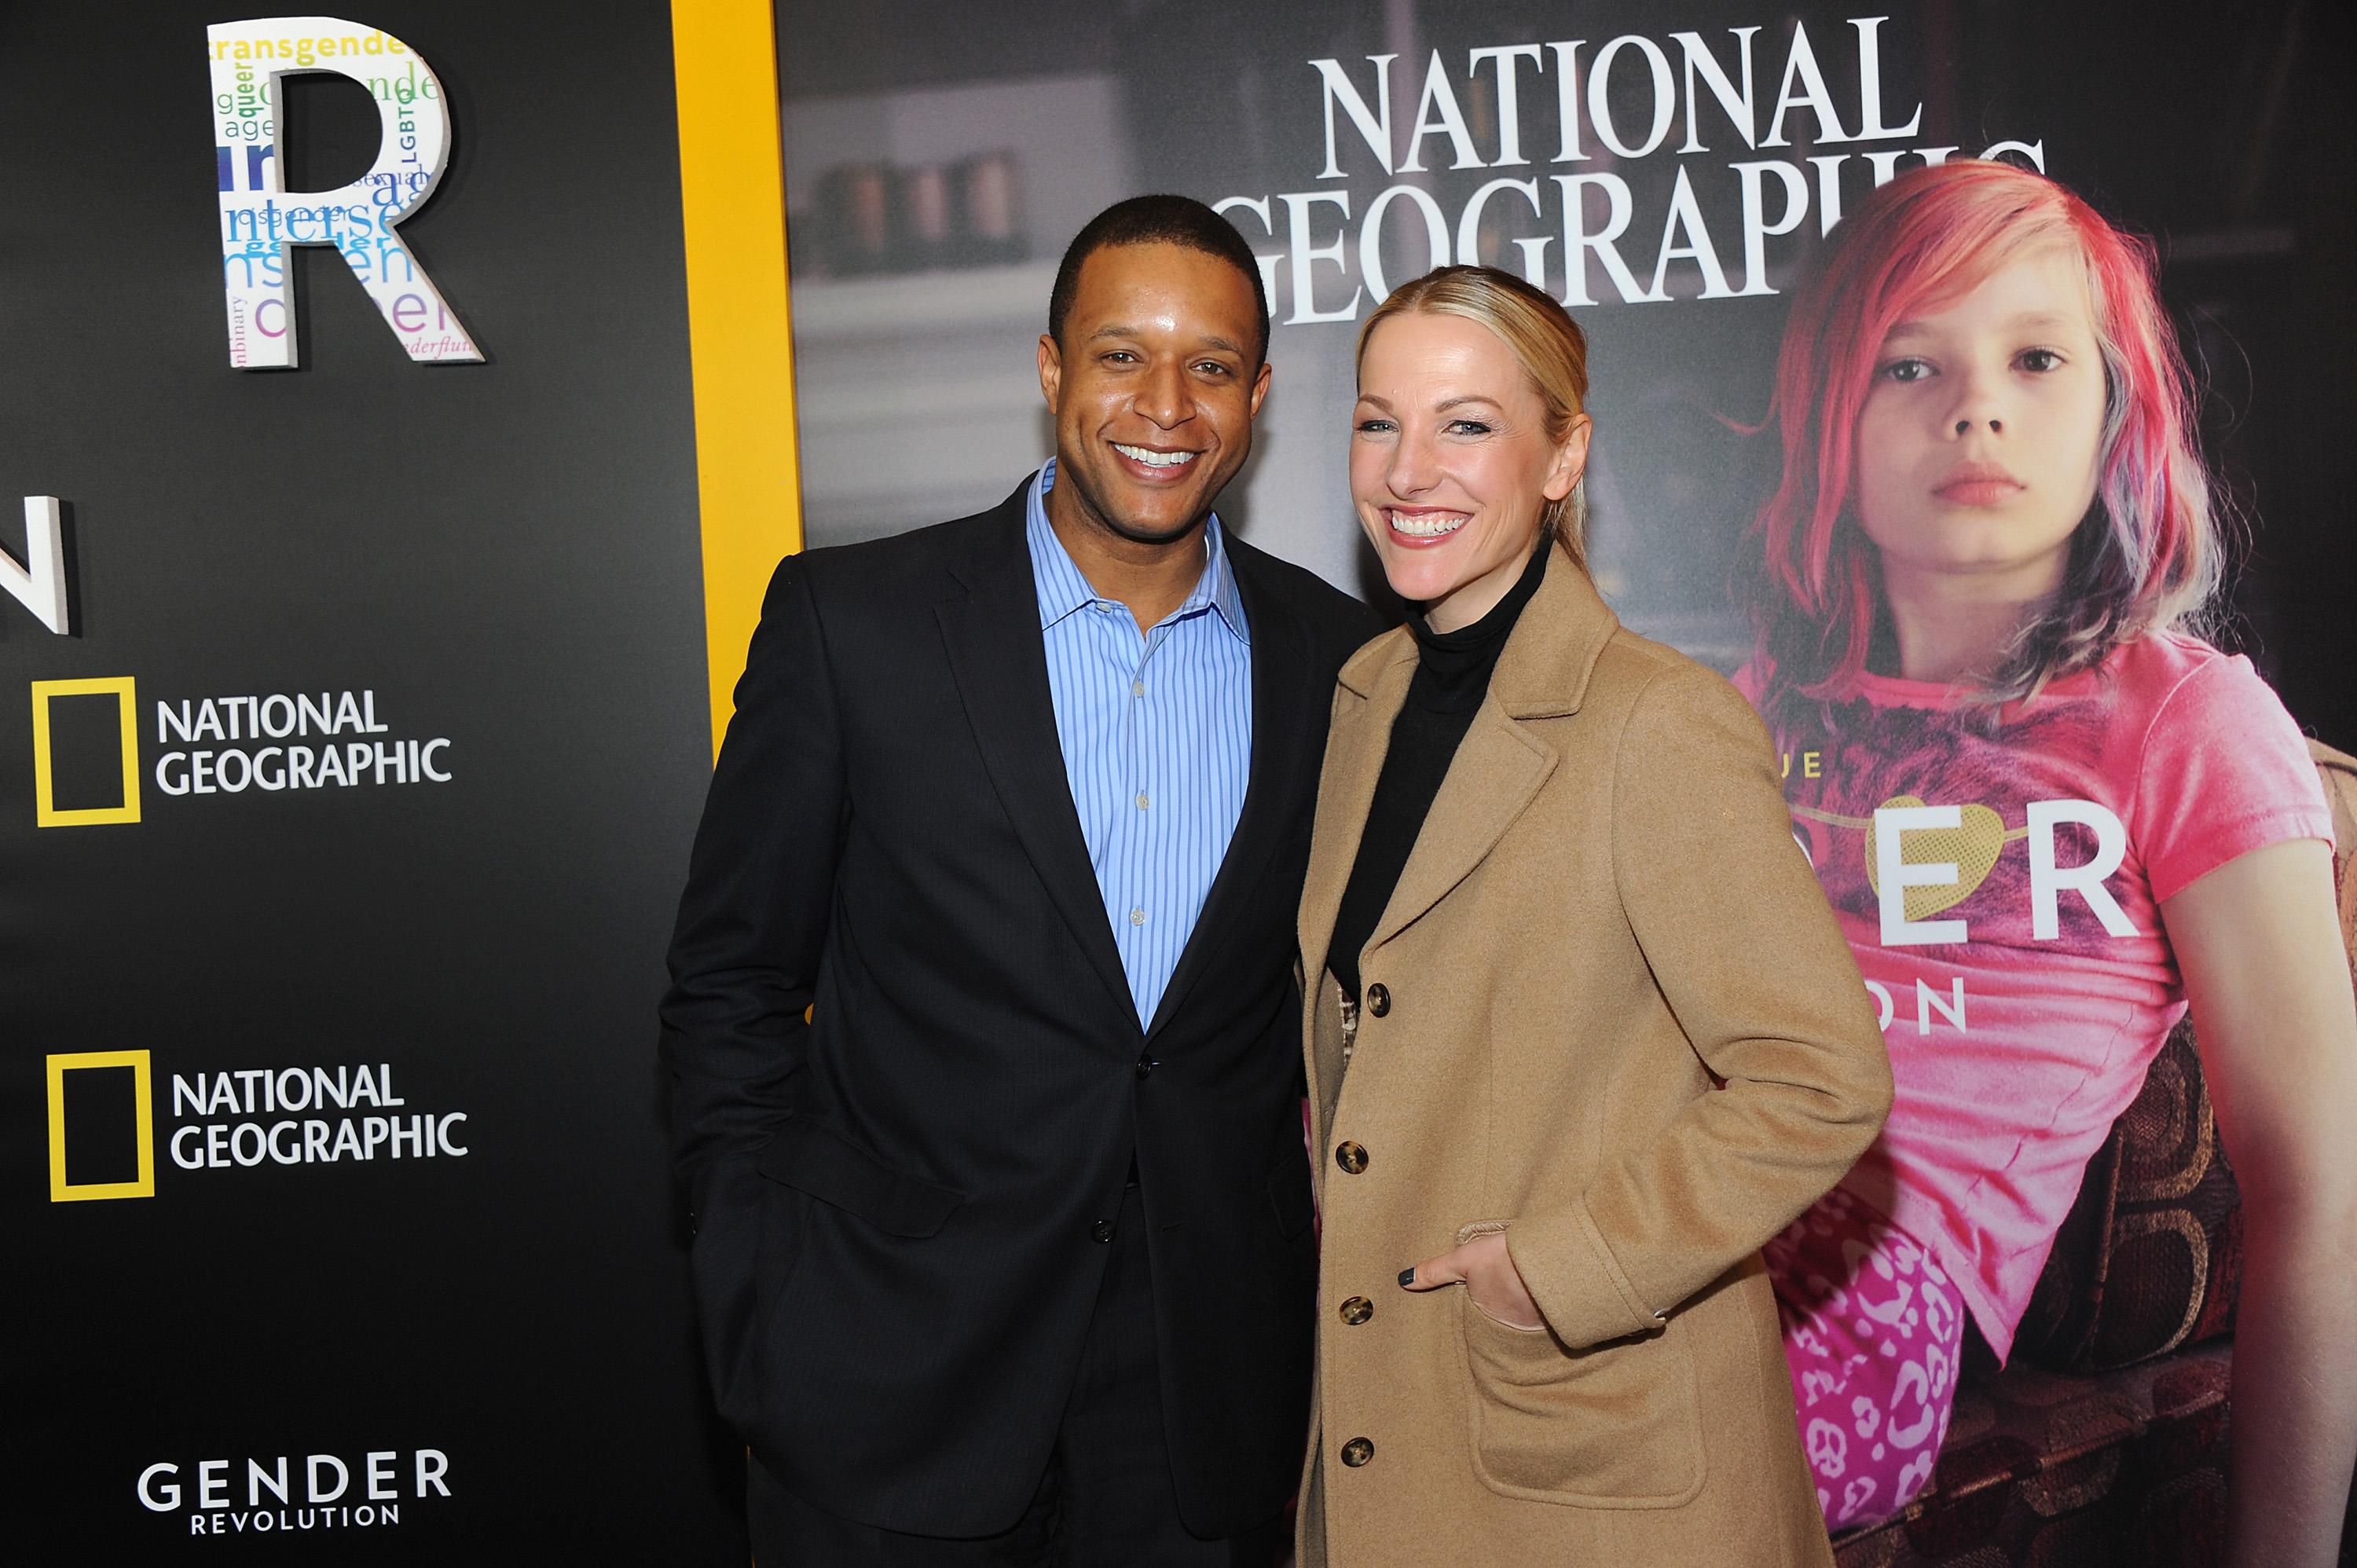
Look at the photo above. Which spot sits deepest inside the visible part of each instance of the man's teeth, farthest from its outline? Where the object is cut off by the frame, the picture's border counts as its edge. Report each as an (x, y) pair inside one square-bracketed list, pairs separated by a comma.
[(1153, 459), (1427, 525)]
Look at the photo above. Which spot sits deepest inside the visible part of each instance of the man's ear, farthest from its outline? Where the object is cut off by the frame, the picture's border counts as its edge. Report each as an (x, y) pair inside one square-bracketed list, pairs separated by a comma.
[(1051, 372), (1260, 387)]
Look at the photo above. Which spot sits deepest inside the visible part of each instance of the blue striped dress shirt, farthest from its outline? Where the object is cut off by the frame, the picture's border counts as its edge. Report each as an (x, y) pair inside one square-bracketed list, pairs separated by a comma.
[(1157, 734)]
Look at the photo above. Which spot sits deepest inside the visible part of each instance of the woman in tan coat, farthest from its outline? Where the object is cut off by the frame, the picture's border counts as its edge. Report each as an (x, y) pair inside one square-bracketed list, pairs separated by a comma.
[(1583, 1033)]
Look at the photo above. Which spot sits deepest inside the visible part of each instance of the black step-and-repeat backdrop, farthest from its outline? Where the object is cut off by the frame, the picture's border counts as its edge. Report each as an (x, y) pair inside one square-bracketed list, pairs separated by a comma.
[(342, 832), (359, 715)]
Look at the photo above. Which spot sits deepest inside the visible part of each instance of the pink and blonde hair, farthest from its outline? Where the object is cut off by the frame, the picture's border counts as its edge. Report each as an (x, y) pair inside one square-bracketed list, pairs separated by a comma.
[(2145, 558)]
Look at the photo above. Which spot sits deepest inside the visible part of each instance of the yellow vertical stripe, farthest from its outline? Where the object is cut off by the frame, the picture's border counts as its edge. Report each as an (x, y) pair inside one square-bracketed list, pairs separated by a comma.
[(733, 212)]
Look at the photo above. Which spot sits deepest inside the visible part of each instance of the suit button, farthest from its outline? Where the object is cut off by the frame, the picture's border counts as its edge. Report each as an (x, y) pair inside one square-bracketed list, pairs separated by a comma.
[(1357, 1452), (1351, 1157), (1379, 1000), (1103, 1230), (1357, 1310), (1145, 1068)]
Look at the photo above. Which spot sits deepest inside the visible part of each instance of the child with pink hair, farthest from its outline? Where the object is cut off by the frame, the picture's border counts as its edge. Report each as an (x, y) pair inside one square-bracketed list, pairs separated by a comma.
[(2048, 816)]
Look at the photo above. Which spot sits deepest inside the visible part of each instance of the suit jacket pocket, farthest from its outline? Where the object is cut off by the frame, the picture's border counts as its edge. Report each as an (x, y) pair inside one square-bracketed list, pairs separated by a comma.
[(811, 1157), (1288, 1190), (1618, 1425), (727, 1258)]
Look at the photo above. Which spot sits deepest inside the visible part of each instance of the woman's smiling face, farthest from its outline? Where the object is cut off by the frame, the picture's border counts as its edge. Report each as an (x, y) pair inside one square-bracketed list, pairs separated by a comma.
[(1451, 464), (1979, 443)]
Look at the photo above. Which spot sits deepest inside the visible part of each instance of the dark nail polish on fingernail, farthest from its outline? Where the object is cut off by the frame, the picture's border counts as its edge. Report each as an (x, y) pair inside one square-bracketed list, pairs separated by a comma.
[(1408, 1276)]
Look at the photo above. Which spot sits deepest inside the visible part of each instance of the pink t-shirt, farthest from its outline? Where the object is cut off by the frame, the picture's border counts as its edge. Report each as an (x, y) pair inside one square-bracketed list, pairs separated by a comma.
[(2001, 893)]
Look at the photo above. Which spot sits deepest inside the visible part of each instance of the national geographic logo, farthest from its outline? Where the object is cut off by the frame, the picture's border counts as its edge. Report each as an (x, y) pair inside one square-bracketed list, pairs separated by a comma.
[(85, 752), (103, 1136), (87, 769), (324, 1493), (102, 1126)]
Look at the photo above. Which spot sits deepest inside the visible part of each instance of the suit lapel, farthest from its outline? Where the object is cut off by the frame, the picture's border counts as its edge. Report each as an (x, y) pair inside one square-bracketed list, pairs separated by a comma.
[(1286, 698), (999, 660)]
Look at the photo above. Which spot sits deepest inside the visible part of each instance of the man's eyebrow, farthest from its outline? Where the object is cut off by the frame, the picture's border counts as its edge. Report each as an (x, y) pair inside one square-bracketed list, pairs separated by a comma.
[(1116, 329)]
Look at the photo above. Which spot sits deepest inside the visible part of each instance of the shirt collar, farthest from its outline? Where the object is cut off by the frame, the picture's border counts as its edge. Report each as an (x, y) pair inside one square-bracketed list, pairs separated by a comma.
[(1062, 589)]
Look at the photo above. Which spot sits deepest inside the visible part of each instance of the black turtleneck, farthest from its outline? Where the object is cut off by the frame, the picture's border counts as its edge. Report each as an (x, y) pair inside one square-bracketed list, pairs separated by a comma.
[(1452, 675)]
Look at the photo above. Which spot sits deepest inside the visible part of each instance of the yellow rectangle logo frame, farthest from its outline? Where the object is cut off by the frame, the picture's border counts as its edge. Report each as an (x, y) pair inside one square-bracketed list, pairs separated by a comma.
[(124, 689), (143, 1094)]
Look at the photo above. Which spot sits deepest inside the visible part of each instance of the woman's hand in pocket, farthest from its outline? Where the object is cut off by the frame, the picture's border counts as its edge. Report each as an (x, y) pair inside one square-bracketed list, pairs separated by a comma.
[(1487, 1271)]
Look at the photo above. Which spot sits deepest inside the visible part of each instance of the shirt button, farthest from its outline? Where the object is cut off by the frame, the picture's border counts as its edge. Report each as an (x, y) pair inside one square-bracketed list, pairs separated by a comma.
[(1351, 1157), (1357, 1310), (1137, 688), (1379, 1000), (1144, 799), (1357, 1452), (1137, 917), (1103, 1230)]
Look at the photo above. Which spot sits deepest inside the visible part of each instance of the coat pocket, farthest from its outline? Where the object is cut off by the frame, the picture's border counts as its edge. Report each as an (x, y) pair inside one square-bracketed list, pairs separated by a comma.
[(812, 1158), (1617, 1425)]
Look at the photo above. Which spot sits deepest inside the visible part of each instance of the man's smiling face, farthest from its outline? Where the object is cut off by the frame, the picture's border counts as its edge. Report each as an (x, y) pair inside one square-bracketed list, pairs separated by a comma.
[(1154, 387)]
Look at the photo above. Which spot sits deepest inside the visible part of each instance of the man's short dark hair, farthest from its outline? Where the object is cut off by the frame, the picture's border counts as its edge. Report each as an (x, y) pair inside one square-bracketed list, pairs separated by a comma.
[(1155, 220)]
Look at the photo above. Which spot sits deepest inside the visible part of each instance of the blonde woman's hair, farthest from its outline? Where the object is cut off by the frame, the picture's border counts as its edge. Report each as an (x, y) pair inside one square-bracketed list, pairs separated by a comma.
[(1545, 339)]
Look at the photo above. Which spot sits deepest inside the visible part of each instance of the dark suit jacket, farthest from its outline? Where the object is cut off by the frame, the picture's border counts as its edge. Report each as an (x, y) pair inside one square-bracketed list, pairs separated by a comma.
[(896, 1197)]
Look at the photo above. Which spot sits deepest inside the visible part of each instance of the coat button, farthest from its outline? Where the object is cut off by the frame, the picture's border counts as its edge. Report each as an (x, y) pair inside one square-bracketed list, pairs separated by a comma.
[(1102, 1230), (1357, 1310), (1145, 1066), (1379, 1000), (1357, 1452), (1351, 1157)]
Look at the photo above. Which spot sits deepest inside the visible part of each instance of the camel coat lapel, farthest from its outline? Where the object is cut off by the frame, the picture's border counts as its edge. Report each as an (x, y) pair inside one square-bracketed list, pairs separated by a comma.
[(1543, 672)]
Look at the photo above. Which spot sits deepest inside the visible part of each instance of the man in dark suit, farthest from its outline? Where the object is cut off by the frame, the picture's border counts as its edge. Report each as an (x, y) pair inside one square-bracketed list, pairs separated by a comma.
[(982, 1022)]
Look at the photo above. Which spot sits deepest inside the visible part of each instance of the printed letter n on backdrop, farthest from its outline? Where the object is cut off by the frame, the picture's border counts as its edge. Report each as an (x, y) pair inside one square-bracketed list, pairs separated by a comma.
[(40, 584), (260, 218)]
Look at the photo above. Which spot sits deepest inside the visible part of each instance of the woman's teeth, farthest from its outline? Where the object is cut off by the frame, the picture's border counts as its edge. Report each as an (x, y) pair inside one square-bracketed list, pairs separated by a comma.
[(1153, 459), (1426, 526)]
